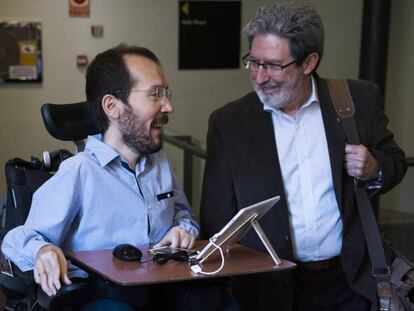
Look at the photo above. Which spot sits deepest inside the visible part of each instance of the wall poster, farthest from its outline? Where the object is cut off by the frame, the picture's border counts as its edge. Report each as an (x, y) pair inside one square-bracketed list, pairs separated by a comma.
[(79, 8), (20, 51), (209, 34)]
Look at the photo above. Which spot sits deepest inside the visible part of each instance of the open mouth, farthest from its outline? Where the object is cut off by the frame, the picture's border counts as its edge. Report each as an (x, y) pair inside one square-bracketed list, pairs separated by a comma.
[(269, 91), (160, 121), (270, 88), (156, 126)]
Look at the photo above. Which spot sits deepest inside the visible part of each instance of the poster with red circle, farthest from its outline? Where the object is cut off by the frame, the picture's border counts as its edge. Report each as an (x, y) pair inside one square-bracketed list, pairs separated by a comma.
[(79, 8)]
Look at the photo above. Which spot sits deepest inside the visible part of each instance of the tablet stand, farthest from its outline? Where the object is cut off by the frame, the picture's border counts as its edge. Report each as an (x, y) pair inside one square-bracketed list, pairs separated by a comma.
[(255, 224), (235, 228), (265, 241)]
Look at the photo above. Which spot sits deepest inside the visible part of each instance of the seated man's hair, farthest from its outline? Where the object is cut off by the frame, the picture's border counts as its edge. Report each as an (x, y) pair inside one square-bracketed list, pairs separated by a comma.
[(108, 74)]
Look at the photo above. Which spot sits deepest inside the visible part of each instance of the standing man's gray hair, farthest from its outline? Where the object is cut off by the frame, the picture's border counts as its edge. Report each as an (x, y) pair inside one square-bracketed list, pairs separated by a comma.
[(300, 24)]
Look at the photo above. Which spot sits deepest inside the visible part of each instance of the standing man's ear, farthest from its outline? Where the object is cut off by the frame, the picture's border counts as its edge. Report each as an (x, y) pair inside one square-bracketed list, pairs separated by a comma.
[(111, 106), (310, 63)]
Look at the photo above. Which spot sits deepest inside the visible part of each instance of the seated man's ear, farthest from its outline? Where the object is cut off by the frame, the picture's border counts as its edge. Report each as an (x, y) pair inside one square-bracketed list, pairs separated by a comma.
[(112, 106)]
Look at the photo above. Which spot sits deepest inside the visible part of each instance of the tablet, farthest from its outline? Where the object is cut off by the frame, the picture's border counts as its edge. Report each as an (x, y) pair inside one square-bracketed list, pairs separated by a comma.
[(234, 230)]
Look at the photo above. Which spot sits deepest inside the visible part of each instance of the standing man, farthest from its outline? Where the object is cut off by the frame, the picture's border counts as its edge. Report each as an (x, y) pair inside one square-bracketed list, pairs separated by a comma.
[(285, 139), (121, 189)]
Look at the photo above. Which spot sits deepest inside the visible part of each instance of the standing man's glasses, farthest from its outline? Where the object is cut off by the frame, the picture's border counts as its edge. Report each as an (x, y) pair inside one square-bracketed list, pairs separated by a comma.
[(159, 92), (253, 65)]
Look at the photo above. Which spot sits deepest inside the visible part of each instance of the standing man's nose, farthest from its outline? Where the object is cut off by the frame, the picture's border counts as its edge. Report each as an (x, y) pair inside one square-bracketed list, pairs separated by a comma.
[(261, 75)]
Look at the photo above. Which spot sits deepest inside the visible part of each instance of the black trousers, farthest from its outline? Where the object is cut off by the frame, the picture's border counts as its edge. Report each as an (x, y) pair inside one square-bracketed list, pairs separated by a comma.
[(266, 291), (199, 295), (326, 290), (301, 289)]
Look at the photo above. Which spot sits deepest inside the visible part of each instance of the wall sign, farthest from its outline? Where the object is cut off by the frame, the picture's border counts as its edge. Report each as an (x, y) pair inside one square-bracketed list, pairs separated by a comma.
[(209, 34), (20, 51), (79, 8)]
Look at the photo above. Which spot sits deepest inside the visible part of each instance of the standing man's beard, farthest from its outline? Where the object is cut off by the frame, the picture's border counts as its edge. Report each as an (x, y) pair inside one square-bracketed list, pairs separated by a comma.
[(280, 99), (136, 136)]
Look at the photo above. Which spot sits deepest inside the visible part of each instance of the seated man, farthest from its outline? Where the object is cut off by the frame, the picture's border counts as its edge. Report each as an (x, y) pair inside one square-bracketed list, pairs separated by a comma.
[(121, 189)]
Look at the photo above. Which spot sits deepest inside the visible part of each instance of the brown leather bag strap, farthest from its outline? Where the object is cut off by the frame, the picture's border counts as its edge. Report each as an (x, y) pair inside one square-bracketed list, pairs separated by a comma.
[(345, 109), (341, 98)]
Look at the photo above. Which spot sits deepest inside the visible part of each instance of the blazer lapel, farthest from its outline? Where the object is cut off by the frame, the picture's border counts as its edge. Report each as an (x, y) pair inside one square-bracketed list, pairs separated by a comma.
[(334, 136), (263, 151), (262, 144)]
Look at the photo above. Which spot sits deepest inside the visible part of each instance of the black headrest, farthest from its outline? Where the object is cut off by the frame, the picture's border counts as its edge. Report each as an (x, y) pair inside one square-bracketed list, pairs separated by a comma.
[(69, 122)]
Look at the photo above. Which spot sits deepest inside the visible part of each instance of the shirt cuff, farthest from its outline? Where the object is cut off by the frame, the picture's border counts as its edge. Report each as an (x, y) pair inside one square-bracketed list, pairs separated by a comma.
[(29, 263), (189, 228)]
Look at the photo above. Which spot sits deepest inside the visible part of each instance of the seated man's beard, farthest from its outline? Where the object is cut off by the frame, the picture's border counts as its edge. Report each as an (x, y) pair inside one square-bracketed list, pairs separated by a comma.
[(136, 136)]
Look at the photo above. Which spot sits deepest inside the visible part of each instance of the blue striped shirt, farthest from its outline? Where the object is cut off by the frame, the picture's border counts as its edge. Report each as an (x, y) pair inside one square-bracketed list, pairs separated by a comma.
[(94, 202)]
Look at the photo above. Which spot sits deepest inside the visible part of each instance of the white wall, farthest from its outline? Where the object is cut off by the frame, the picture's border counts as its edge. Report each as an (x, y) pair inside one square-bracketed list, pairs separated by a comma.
[(154, 24)]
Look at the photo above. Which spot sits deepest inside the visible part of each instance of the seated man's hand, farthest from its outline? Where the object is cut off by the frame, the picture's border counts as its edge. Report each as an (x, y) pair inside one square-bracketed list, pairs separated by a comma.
[(51, 268), (177, 237)]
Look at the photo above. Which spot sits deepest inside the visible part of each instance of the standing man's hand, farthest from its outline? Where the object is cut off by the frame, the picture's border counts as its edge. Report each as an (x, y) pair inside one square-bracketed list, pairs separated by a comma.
[(360, 163), (50, 268), (177, 237)]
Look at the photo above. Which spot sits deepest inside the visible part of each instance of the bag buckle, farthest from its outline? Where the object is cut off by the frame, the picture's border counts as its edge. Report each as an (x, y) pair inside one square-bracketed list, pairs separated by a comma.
[(383, 278), (381, 272), (384, 304), (384, 295)]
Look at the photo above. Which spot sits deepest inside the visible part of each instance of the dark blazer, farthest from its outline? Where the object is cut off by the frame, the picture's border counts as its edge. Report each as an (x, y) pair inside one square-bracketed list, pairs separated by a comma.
[(242, 168)]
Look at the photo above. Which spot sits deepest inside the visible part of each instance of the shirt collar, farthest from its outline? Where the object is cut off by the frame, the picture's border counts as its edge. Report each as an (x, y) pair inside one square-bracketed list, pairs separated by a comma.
[(106, 154), (314, 95)]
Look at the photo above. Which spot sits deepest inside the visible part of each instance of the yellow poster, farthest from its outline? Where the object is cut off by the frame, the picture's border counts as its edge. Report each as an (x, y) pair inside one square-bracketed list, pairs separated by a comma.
[(20, 51), (28, 51)]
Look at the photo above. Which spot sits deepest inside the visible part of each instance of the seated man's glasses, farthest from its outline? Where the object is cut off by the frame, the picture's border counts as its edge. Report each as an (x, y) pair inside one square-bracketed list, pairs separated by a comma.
[(253, 65), (159, 92)]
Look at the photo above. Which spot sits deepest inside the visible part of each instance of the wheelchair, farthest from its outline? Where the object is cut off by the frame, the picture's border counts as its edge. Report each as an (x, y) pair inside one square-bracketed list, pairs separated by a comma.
[(67, 122)]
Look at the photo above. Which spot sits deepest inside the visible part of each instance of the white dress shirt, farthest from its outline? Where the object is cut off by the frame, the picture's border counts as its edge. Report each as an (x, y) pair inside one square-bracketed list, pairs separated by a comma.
[(316, 225)]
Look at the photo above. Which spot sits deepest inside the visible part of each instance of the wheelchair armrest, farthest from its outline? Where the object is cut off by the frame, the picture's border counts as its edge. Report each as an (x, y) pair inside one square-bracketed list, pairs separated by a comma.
[(68, 295), (9, 269), (73, 295), (27, 276)]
